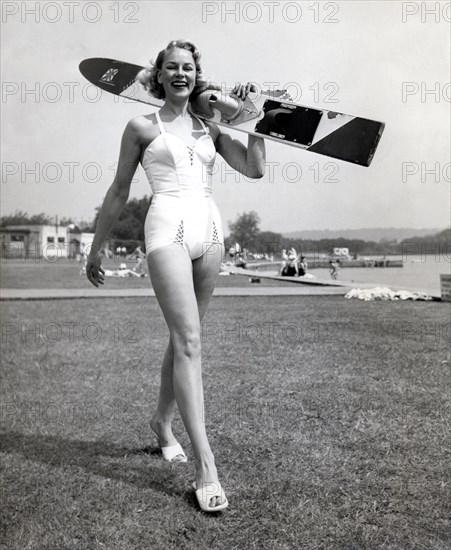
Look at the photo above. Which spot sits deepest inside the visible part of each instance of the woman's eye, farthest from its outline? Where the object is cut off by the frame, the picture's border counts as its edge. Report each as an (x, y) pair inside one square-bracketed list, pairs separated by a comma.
[(185, 68)]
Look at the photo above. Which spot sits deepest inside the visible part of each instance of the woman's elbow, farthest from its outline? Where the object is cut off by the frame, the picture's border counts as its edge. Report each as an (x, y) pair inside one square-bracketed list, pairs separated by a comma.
[(123, 193), (256, 172)]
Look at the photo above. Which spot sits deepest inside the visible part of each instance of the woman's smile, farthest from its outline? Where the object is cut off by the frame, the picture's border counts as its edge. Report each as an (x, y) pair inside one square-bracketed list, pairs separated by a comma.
[(178, 72)]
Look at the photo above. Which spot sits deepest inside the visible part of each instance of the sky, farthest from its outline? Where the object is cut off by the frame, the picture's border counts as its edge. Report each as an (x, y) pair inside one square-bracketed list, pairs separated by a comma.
[(383, 60)]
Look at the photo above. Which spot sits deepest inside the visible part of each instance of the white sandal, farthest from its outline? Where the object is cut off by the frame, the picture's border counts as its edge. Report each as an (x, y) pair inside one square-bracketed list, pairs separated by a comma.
[(206, 493), (171, 452)]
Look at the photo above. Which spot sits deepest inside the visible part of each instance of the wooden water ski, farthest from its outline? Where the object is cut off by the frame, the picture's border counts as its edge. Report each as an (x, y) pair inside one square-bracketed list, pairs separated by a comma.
[(270, 115)]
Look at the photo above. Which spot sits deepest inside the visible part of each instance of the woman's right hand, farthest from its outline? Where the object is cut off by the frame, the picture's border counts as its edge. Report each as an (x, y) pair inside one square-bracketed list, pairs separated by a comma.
[(94, 271)]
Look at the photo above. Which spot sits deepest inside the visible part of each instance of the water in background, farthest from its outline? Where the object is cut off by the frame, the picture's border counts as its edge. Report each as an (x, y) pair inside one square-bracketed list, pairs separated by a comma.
[(418, 272)]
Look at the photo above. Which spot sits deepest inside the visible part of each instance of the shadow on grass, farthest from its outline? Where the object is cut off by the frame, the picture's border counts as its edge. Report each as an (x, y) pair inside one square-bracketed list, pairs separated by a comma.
[(95, 457)]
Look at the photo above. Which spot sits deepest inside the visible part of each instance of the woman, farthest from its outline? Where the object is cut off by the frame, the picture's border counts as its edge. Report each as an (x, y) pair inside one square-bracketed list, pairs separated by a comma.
[(182, 229), (289, 267), (303, 266)]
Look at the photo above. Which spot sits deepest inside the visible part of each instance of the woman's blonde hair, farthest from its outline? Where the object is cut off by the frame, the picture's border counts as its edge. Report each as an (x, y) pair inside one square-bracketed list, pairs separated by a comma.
[(148, 77)]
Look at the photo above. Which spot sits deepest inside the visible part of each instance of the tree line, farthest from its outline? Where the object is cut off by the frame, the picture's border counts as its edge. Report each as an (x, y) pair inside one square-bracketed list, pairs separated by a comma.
[(23, 218), (245, 230)]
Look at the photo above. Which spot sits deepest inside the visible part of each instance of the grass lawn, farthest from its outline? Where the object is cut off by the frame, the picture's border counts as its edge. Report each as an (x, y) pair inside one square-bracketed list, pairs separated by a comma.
[(329, 420), (66, 274)]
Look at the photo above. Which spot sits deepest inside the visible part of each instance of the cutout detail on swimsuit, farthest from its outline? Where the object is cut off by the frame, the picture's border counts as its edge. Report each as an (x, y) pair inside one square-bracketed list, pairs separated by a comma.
[(179, 237), (191, 154), (215, 237)]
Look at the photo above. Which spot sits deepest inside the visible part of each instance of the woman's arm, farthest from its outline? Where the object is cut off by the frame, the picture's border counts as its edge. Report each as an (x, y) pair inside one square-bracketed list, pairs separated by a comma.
[(248, 161), (115, 199)]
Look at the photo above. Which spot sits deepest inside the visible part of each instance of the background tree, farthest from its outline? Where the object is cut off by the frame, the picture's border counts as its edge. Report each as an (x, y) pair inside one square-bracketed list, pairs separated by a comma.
[(268, 242), (244, 230), (23, 218), (438, 244)]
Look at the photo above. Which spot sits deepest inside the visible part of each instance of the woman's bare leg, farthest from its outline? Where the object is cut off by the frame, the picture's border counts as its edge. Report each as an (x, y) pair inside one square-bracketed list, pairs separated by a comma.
[(203, 288), (183, 292), (162, 419)]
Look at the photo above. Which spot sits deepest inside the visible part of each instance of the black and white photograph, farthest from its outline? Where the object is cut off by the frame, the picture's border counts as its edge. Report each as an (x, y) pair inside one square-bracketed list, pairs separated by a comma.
[(225, 275)]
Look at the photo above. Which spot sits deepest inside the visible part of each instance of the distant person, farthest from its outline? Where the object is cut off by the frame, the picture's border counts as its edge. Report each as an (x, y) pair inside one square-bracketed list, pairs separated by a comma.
[(302, 266), (83, 261), (240, 261), (334, 266), (140, 257), (284, 258), (289, 266), (123, 271), (121, 251), (106, 251)]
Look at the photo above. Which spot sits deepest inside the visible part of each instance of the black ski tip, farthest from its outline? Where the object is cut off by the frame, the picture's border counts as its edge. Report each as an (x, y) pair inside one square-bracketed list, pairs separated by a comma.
[(109, 74), (354, 142)]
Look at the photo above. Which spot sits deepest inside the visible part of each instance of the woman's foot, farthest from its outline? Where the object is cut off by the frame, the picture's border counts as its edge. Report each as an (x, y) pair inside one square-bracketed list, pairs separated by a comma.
[(209, 492), (170, 448)]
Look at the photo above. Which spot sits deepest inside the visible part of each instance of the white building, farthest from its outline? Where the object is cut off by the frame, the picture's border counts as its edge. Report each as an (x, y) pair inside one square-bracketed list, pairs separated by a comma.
[(35, 241)]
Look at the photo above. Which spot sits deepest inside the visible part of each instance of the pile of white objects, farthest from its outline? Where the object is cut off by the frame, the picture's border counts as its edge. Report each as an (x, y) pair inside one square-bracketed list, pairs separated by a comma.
[(385, 293)]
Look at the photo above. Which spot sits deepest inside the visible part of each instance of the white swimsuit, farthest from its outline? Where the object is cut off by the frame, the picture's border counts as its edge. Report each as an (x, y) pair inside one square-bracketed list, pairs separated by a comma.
[(182, 211)]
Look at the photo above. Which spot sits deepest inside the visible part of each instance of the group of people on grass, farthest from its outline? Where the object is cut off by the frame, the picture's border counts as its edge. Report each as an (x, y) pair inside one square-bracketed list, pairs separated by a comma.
[(293, 264), (123, 271)]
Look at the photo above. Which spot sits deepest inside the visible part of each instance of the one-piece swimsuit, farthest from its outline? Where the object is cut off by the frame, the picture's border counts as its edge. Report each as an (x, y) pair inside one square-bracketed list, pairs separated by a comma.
[(182, 211)]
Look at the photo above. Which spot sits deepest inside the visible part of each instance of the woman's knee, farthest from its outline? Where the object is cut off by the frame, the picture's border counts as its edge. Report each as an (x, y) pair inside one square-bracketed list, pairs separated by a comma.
[(187, 343)]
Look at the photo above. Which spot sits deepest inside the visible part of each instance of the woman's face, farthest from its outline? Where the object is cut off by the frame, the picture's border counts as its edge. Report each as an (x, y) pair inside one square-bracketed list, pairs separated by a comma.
[(178, 73)]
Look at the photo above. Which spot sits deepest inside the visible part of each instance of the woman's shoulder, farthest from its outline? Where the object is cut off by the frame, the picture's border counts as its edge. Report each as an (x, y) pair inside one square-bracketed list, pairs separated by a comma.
[(142, 123), (143, 127)]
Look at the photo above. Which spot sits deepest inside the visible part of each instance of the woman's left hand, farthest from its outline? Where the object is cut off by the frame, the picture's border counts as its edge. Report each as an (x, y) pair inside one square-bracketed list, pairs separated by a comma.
[(94, 271), (242, 90)]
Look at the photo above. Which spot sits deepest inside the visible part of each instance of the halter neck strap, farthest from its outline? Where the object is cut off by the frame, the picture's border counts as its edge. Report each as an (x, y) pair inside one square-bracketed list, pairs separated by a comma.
[(204, 126), (160, 123)]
